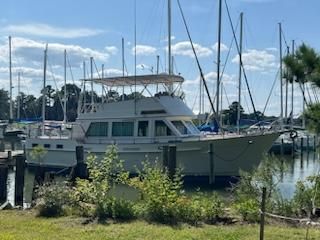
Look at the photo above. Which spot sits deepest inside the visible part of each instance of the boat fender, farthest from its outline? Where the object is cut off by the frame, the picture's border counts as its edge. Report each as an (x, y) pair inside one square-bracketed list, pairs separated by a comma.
[(293, 134)]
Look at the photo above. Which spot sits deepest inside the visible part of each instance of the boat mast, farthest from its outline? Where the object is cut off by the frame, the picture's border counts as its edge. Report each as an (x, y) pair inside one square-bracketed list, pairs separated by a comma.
[(240, 74), (102, 87), (169, 46), (280, 74), (122, 47), (10, 78), (293, 80), (19, 97), (91, 69), (44, 91), (286, 102), (218, 58), (65, 88)]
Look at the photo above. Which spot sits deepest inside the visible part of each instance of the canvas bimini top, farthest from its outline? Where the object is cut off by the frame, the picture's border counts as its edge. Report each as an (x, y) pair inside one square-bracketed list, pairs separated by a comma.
[(141, 80)]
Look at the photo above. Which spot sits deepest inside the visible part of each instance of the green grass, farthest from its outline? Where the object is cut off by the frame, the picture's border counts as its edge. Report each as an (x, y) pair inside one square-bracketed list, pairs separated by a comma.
[(25, 225)]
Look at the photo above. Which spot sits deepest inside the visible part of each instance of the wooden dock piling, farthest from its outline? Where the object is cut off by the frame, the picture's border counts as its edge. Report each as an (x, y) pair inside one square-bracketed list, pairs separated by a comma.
[(3, 183), (19, 180)]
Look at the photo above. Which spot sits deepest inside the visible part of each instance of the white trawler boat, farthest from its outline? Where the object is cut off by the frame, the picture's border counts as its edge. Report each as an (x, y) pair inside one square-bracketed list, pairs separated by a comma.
[(141, 127)]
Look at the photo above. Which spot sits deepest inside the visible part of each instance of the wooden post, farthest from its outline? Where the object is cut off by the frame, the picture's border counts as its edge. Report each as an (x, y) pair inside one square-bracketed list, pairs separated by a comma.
[(292, 149), (281, 147), (165, 157), (81, 170), (211, 162), (314, 142), (308, 143), (172, 161), (19, 180), (3, 183), (2, 146), (263, 209), (301, 147)]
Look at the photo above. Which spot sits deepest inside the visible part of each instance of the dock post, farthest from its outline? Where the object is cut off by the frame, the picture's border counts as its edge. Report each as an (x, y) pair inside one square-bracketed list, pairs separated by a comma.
[(314, 142), (263, 209), (172, 161), (19, 180), (211, 161), (308, 145), (301, 147), (2, 146), (165, 157), (9, 156), (81, 170), (3, 183), (281, 147), (292, 149)]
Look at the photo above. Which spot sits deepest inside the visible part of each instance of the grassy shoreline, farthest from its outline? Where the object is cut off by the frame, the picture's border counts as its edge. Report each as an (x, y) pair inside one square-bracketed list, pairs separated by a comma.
[(25, 225)]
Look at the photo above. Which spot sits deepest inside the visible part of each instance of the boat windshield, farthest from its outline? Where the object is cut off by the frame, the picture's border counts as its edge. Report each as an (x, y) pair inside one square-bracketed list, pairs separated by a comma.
[(192, 128)]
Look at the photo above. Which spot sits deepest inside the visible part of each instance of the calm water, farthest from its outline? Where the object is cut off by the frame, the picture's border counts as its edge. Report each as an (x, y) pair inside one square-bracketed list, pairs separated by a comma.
[(296, 168)]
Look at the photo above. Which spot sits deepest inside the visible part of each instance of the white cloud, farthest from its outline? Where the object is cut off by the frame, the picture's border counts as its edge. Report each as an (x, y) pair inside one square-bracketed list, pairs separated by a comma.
[(166, 39), (211, 77), (144, 50), (272, 49), (184, 49), (28, 50), (223, 47), (112, 50), (38, 29), (257, 60)]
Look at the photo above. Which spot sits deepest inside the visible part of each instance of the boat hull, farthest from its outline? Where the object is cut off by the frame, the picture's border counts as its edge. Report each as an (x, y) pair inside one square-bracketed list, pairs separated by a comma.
[(229, 154)]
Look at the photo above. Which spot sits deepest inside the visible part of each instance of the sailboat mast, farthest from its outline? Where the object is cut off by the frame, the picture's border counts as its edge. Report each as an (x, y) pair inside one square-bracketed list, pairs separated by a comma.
[(102, 86), (44, 91), (10, 78), (280, 76), (65, 88), (122, 47), (169, 38), (91, 69), (218, 58), (240, 74), (293, 80), (286, 102), (19, 97), (169, 46)]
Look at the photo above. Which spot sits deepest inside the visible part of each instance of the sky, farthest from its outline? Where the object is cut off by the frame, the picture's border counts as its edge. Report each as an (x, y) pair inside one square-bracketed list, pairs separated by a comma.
[(95, 29)]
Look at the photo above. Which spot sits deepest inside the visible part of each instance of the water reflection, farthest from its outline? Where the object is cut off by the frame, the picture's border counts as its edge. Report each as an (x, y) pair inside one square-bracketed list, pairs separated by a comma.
[(297, 168)]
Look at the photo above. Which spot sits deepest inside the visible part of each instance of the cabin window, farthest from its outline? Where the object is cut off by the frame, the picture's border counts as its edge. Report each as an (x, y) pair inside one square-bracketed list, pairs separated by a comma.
[(34, 145), (143, 128), (181, 127), (46, 145), (122, 129), (161, 129), (98, 129), (59, 146)]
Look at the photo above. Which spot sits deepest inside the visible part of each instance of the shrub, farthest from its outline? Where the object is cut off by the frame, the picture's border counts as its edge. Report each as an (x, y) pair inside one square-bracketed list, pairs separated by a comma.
[(118, 209), (159, 193), (248, 191), (53, 199), (93, 194)]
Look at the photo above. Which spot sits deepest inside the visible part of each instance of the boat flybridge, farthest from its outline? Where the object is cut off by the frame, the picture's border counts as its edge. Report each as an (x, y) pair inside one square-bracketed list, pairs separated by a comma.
[(141, 126)]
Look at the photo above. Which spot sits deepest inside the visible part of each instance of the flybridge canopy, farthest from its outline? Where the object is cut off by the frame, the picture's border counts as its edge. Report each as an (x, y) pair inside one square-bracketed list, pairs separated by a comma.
[(138, 80)]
